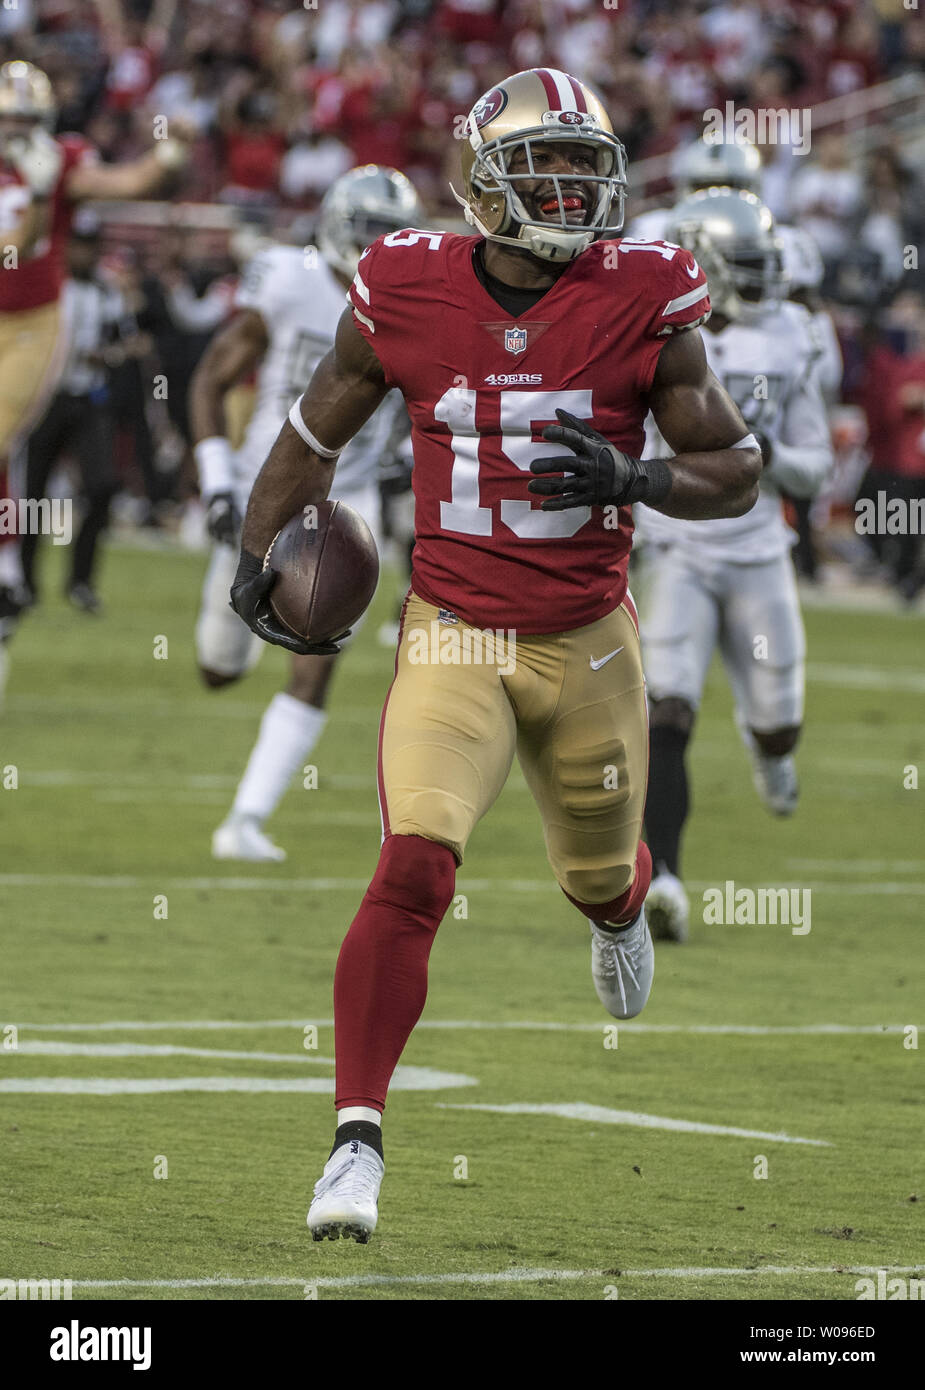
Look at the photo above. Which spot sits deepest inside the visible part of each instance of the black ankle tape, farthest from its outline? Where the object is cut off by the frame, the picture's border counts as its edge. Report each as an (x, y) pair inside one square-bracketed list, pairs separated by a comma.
[(364, 1130)]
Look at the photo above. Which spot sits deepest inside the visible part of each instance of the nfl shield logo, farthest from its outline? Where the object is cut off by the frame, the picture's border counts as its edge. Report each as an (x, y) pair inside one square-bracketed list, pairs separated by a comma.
[(515, 339)]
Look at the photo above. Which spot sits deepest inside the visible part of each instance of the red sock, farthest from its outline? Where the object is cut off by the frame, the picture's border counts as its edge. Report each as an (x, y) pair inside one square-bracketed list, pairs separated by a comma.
[(380, 983)]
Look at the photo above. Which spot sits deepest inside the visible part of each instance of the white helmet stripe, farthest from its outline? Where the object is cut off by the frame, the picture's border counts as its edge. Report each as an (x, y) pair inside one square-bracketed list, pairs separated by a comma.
[(566, 95)]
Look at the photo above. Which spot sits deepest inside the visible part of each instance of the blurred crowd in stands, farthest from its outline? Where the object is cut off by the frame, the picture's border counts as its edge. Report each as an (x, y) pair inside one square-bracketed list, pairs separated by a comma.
[(285, 96)]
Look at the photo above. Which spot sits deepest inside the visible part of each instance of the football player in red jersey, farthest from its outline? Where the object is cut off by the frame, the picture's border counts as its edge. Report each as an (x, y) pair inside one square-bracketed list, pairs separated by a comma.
[(537, 331), (42, 180)]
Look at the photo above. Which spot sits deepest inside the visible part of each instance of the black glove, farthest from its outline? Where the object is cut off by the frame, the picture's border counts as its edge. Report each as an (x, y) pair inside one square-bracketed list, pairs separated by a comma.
[(223, 520), (603, 474), (249, 599)]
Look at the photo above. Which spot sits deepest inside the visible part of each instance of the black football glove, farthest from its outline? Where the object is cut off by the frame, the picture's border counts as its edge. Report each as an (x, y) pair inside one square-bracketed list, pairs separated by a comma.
[(223, 520), (250, 600), (602, 474)]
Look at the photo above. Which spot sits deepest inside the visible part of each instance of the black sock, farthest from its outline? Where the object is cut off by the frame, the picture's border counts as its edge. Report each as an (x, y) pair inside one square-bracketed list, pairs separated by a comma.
[(364, 1130), (667, 801)]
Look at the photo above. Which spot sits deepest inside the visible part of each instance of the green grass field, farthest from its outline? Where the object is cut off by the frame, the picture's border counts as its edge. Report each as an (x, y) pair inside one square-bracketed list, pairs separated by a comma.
[(124, 766)]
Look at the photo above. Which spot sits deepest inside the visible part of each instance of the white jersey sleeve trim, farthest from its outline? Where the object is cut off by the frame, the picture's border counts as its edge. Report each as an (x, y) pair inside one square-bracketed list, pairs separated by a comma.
[(684, 301)]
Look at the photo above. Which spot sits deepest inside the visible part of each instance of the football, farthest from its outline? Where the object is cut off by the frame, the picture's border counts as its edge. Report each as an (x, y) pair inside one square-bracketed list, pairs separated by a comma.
[(328, 569)]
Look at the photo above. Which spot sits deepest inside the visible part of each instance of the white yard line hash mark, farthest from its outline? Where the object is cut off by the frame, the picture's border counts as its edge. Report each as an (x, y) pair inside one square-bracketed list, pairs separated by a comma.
[(601, 1114)]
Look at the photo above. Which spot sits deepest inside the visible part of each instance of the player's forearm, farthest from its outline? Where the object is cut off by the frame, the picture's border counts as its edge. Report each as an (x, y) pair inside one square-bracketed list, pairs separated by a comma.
[(139, 178), (722, 482), (206, 404), (292, 477)]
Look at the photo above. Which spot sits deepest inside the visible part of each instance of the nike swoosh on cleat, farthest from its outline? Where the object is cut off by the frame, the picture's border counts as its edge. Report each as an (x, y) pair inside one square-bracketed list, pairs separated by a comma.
[(602, 661)]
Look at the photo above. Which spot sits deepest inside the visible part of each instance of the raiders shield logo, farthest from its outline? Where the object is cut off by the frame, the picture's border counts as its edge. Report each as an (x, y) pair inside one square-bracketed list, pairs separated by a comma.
[(515, 339)]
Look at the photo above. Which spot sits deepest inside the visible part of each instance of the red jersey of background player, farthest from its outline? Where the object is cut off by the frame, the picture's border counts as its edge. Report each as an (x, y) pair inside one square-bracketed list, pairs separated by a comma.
[(39, 277), (480, 385)]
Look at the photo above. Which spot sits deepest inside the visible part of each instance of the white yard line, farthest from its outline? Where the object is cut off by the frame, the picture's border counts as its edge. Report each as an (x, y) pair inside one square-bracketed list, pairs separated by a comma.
[(404, 1079), (468, 885), (27, 1048), (852, 1030), (508, 1276), (132, 705), (602, 1115), (866, 677)]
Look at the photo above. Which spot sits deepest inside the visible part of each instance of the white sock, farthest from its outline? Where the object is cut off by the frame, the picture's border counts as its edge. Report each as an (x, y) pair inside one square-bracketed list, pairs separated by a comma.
[(10, 567), (359, 1112), (289, 731)]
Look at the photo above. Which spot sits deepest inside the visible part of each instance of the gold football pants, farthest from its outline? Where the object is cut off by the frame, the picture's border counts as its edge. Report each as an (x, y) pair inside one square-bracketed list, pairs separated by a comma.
[(29, 366), (571, 705)]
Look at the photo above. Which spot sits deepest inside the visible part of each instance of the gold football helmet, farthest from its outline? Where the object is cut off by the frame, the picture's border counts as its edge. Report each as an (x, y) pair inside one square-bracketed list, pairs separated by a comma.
[(527, 111), (25, 93)]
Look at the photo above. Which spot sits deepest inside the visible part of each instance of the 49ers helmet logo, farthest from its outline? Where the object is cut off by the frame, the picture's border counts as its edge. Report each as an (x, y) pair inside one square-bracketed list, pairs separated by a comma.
[(488, 106), (571, 118)]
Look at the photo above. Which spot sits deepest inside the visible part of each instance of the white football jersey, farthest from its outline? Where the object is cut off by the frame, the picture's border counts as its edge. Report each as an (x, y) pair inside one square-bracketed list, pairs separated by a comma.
[(301, 301), (770, 369)]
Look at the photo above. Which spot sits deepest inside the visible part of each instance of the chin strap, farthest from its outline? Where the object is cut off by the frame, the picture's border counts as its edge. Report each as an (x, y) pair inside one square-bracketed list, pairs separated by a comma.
[(534, 239)]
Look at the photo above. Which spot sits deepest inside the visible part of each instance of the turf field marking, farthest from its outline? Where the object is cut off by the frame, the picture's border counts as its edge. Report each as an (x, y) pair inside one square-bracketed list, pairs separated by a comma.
[(322, 885), (29, 1048), (601, 1114), (81, 777), (859, 866), (131, 706), (866, 677), (756, 1030), (507, 1276), (405, 1079)]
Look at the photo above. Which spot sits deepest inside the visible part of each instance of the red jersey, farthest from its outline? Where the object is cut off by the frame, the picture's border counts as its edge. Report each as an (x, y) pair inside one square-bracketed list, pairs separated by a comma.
[(480, 385), (39, 276)]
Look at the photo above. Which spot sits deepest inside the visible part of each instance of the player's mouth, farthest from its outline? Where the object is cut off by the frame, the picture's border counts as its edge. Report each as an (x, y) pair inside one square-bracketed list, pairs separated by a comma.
[(573, 205)]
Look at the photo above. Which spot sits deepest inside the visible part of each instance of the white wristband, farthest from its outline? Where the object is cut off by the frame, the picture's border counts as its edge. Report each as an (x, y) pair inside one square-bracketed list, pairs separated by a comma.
[(749, 442), (300, 427), (215, 462)]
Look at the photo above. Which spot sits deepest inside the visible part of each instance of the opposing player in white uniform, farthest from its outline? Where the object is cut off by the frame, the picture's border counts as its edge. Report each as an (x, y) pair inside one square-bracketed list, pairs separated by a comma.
[(804, 270), (703, 164), (730, 583), (290, 299)]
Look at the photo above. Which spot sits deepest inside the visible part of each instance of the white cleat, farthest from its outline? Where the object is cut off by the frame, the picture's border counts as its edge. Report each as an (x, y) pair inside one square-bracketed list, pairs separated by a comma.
[(347, 1194), (622, 966), (776, 783), (667, 908), (774, 779), (243, 839)]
